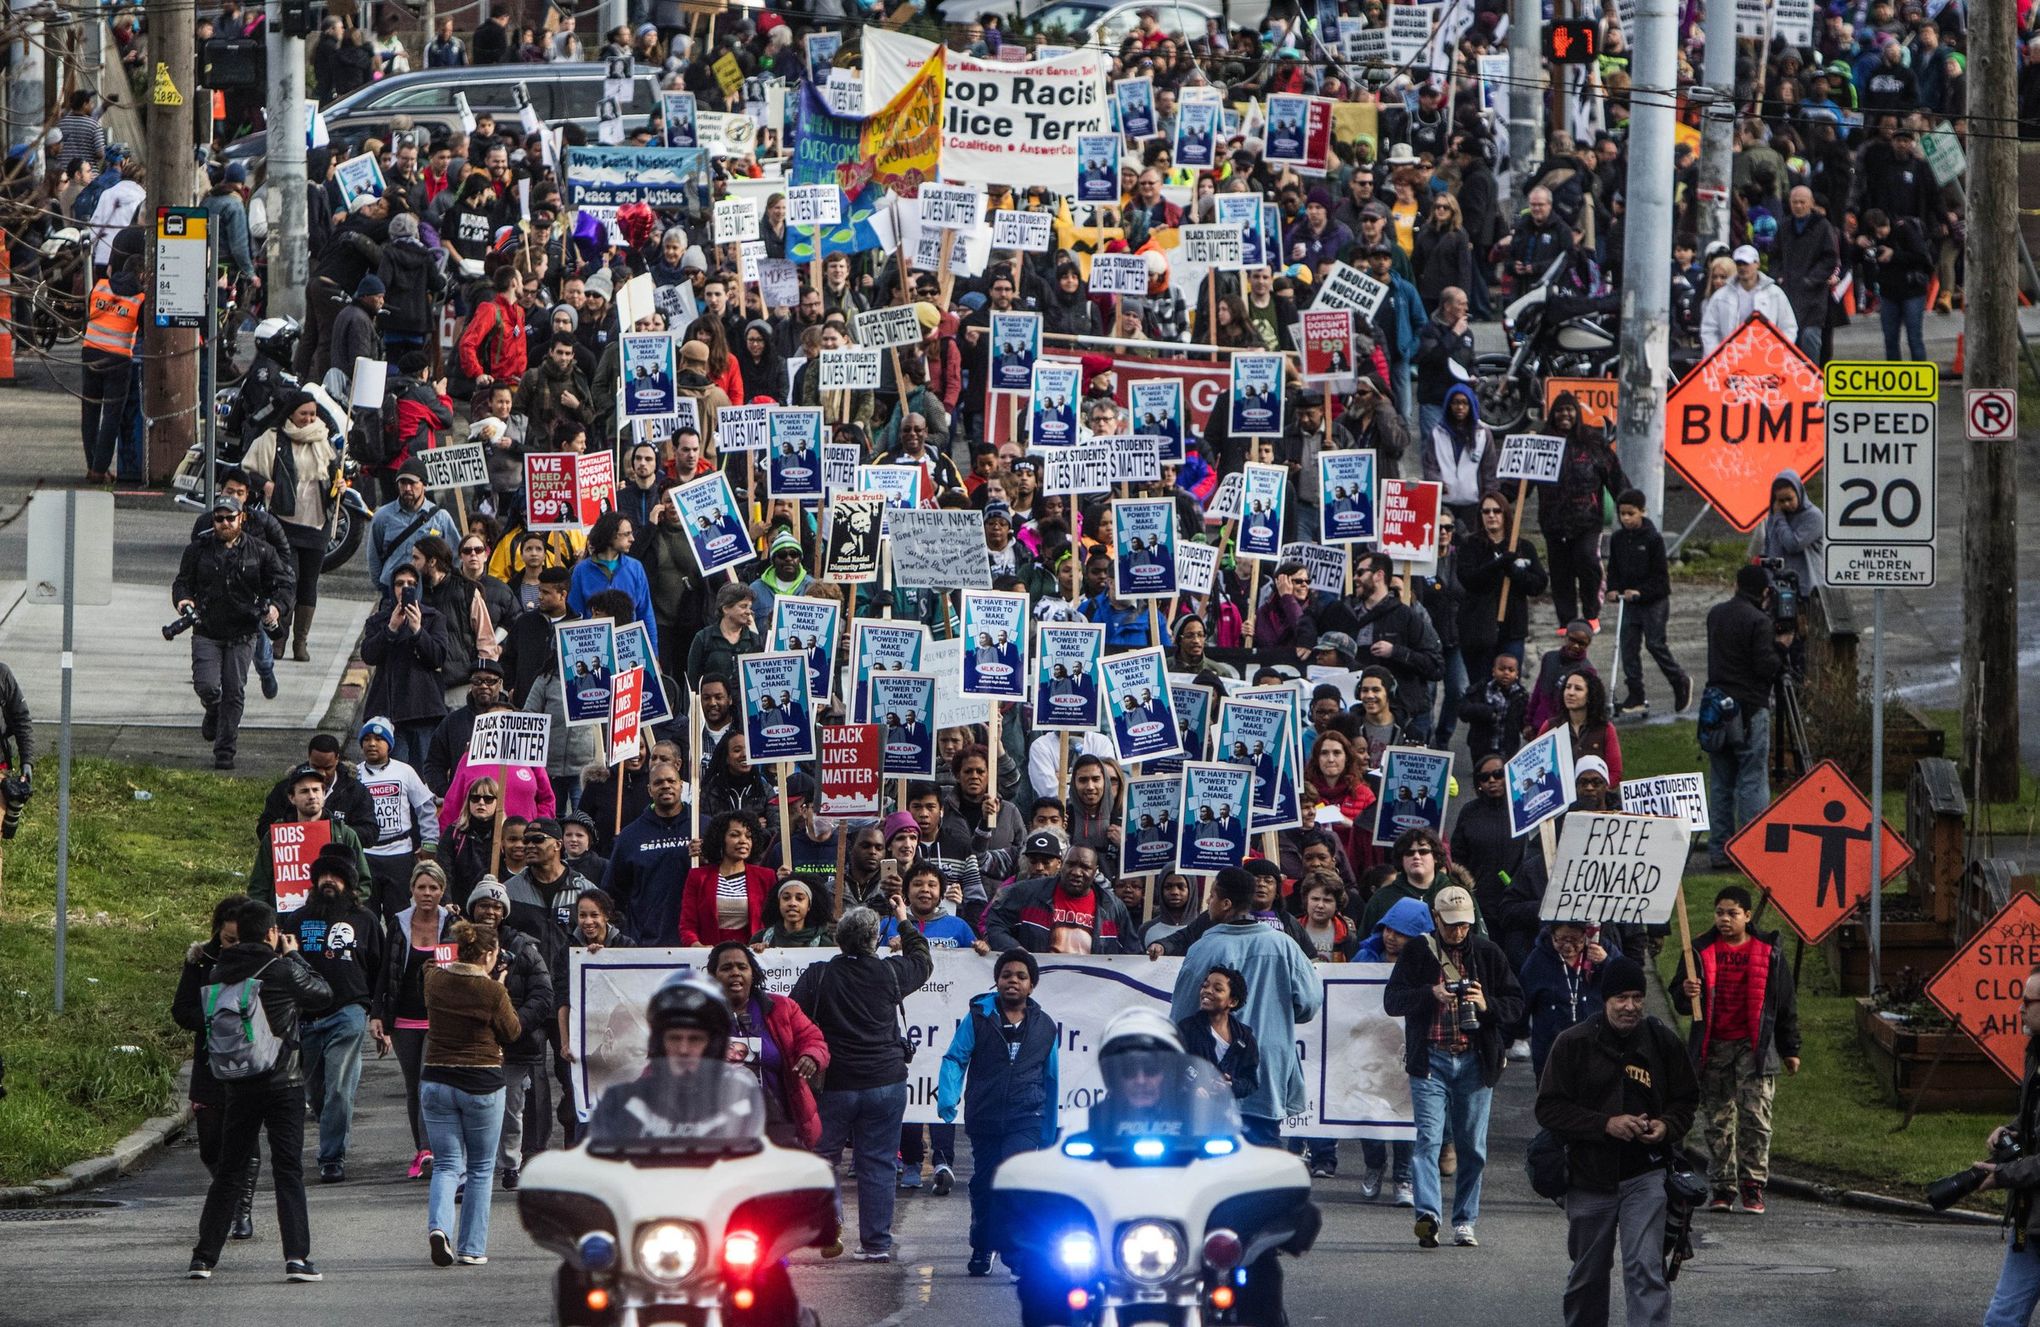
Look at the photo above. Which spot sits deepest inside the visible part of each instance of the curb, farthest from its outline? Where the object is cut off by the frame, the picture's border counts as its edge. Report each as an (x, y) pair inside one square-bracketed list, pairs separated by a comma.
[(126, 1157), (1811, 1191)]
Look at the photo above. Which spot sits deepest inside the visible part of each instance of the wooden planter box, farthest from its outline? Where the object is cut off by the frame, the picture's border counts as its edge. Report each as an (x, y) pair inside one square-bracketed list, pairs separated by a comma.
[(1965, 1079), (1920, 945)]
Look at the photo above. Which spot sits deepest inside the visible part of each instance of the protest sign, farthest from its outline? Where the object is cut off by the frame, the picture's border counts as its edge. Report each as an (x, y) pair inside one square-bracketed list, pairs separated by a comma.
[(609, 177), (1259, 384), (634, 650), (1682, 797), (855, 526), (951, 206), (1346, 481), (793, 456), (1052, 413), (1255, 736), (736, 220), (1409, 520), (944, 662), (645, 363), (1538, 781), (741, 428), (1144, 548), (1015, 345), (1119, 274), (1015, 124), (1535, 457), (624, 701), (1348, 289), (1066, 675), (1327, 344), (1615, 869), (456, 465), (1148, 829), (1024, 232), (1196, 563), (1135, 100), (839, 467), (1193, 717), (509, 737), (1242, 212), (779, 283), (881, 647), (1325, 565), (883, 329), (1212, 246), (814, 205), (899, 484), (1265, 498), (1136, 694), (1098, 168), (849, 781), (778, 707), (1154, 407), (1299, 132), (1136, 457), (850, 370), (1351, 1052), (1073, 471), (993, 663), (1213, 816), (715, 528), (937, 549), (810, 627), (903, 705), (293, 846), (1414, 784), (567, 490), (1225, 504)]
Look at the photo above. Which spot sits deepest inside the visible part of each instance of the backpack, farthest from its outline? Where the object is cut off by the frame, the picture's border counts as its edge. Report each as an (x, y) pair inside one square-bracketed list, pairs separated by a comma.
[(239, 1043), (1546, 1165)]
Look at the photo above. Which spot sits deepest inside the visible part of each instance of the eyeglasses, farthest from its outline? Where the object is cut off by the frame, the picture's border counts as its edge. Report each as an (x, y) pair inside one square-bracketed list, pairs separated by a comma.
[(473, 798)]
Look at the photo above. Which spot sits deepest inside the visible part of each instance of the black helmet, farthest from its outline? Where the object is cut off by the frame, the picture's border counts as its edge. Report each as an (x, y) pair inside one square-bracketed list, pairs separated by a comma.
[(690, 1001)]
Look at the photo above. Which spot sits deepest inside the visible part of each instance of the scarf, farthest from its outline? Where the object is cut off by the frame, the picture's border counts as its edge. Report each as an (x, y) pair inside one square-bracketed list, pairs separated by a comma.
[(284, 502)]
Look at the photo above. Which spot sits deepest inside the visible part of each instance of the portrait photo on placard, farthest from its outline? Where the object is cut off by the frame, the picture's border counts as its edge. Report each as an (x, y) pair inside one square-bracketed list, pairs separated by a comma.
[(1148, 832), (811, 627), (715, 529), (1412, 793), (587, 660), (1066, 675), (1144, 547), (793, 451), (1263, 501), (1258, 383), (994, 645), (1212, 817), (778, 708), (1346, 497), (903, 706), (876, 648), (1136, 694)]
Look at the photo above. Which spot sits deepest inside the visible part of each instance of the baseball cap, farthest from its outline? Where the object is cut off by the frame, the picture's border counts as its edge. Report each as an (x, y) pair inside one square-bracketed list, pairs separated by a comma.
[(1044, 843), (1745, 253), (545, 825), (1453, 906), (228, 504)]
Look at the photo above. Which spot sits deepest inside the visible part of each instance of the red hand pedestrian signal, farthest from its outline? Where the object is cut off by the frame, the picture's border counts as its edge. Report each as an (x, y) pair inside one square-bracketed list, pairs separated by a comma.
[(1571, 42)]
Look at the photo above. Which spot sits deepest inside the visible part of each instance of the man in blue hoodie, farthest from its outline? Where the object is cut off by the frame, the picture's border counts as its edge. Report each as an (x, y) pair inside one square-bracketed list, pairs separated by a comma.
[(1002, 1066), (649, 864)]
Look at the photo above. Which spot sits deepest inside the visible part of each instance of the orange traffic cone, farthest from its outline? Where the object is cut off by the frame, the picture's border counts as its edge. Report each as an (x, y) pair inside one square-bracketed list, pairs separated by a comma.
[(1955, 369)]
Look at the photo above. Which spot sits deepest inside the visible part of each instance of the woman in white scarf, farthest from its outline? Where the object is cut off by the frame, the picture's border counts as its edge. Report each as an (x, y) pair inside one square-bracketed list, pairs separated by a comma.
[(299, 494)]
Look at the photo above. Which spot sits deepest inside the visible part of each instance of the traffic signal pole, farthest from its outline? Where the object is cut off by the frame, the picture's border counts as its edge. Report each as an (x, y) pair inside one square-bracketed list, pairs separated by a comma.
[(1647, 247)]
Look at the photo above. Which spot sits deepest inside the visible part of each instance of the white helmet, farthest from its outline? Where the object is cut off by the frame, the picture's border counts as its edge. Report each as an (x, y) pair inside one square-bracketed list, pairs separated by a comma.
[(1139, 1029), (278, 338)]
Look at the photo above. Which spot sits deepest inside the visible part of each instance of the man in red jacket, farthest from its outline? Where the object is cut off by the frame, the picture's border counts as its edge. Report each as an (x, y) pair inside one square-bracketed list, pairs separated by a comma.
[(492, 345)]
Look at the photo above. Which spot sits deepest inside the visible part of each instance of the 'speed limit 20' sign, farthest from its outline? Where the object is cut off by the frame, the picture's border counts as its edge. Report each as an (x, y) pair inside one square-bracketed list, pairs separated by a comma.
[(1880, 465)]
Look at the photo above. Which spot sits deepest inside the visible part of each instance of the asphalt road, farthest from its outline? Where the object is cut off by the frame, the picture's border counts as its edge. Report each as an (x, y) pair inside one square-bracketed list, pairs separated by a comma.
[(1800, 1264)]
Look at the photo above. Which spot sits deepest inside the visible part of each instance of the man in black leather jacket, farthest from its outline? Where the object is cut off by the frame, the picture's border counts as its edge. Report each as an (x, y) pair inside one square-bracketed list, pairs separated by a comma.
[(234, 585), (273, 1102)]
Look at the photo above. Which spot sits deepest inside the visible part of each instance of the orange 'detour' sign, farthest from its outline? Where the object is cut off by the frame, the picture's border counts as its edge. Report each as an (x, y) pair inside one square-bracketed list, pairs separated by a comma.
[(1747, 411), (1598, 398)]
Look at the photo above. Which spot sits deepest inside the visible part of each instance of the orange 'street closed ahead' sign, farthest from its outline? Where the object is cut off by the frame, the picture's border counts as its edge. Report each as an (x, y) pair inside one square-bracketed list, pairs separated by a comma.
[(1980, 987), (1810, 851), (1746, 412)]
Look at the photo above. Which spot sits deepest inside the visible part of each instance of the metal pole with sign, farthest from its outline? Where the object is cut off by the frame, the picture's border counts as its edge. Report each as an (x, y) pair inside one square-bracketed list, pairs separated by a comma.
[(1882, 434), (61, 570), (186, 288)]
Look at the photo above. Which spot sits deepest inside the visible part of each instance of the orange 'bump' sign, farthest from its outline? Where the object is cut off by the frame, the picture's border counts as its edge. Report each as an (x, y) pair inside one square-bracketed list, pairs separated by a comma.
[(1981, 986), (1810, 851), (1747, 411)]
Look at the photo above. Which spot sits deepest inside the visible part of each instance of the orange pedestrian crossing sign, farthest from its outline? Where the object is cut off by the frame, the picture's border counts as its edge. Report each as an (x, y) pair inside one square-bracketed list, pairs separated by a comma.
[(1810, 851), (1981, 987)]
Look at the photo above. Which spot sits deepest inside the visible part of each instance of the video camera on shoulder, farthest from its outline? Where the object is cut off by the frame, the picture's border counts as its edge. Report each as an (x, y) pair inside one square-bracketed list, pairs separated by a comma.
[(1785, 590)]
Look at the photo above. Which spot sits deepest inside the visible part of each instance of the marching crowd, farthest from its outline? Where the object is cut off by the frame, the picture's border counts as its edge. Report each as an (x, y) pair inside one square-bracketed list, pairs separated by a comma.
[(438, 919)]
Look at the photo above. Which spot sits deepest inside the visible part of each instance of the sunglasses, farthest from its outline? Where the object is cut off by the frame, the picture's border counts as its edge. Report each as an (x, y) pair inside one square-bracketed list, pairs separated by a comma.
[(477, 548), (480, 797), (531, 840), (1419, 851), (223, 518), (1488, 776)]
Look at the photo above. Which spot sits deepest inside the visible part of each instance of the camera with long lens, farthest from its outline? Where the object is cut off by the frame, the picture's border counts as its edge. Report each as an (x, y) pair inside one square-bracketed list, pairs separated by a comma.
[(187, 618), (15, 788), (1949, 1190), (1469, 1017)]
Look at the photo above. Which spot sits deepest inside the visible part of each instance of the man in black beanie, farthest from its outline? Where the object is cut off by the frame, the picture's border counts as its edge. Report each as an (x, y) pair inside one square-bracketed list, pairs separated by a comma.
[(342, 941), (1620, 1092)]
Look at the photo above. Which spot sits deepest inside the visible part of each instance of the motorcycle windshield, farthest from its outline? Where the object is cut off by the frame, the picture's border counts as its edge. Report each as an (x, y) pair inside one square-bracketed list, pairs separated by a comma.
[(1159, 1102), (680, 1108)]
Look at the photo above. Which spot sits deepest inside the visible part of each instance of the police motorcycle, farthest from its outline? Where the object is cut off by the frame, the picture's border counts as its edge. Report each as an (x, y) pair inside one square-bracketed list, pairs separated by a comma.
[(1554, 332), (1158, 1210), (675, 1207), (250, 408)]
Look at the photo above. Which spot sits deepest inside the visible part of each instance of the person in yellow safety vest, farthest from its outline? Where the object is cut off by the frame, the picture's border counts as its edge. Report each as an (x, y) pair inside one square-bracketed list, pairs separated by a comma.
[(113, 324)]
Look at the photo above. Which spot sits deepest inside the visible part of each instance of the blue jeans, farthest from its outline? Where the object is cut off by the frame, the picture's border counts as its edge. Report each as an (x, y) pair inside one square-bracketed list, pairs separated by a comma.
[(2018, 1288), (1454, 1098), (265, 655), (414, 742), (461, 1129), (1377, 1156), (1913, 311), (332, 1055), (1738, 787), (868, 1121), (1428, 418)]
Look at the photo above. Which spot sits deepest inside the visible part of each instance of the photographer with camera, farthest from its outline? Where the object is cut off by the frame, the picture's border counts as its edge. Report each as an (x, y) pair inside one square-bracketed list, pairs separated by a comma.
[(1456, 997), (1746, 648), (2018, 1287), (1794, 534), (226, 590), (17, 753)]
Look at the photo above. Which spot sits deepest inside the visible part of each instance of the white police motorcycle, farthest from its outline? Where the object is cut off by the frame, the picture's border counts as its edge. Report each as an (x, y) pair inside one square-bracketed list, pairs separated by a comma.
[(676, 1208), (1158, 1210)]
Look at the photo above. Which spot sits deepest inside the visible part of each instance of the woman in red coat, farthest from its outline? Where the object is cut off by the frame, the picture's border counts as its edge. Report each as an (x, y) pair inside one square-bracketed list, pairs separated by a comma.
[(1337, 774), (727, 901), (780, 1043)]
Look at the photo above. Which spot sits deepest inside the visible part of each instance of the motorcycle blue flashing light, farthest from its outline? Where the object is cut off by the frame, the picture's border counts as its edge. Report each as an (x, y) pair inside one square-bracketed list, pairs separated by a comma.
[(1078, 1253), (1079, 1148), (1150, 1149), (597, 1250), (1220, 1147)]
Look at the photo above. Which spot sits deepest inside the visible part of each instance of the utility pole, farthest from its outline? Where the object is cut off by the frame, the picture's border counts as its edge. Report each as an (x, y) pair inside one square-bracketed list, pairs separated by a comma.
[(1646, 284), (289, 262), (1526, 98), (26, 108), (1717, 123), (1990, 561), (170, 355)]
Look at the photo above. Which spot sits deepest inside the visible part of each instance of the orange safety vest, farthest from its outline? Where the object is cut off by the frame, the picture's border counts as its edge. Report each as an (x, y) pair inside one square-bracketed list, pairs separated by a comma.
[(113, 322)]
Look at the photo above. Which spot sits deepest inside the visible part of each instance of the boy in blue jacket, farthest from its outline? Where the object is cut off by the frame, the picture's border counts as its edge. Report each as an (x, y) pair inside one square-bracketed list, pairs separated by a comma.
[(1001, 1065)]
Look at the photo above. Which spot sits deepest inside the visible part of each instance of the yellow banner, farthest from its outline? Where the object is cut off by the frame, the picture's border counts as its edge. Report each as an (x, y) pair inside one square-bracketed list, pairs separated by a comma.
[(902, 143)]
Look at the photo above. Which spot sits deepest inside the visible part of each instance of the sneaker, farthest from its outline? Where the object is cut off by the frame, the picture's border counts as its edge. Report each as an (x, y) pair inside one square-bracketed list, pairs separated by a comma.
[(474, 1259), (222, 762), (1682, 695), (1632, 709), (442, 1249), (1462, 1235), (1427, 1231), (1721, 1200), (1595, 623), (1320, 1171), (269, 685), (945, 1180), (301, 1269), (910, 1179), (1753, 1199), (1370, 1185), (1519, 1049), (871, 1255), (834, 1250), (510, 1179), (331, 1172), (1405, 1194), (421, 1165), (980, 1264), (200, 1270)]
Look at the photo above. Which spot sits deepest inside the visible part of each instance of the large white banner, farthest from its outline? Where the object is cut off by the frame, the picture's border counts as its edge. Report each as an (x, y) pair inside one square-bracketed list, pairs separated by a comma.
[(890, 59), (1352, 1053)]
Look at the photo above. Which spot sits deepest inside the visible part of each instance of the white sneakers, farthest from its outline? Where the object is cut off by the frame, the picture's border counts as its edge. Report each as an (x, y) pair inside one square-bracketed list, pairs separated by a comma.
[(1405, 1195), (1462, 1235), (1519, 1050)]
